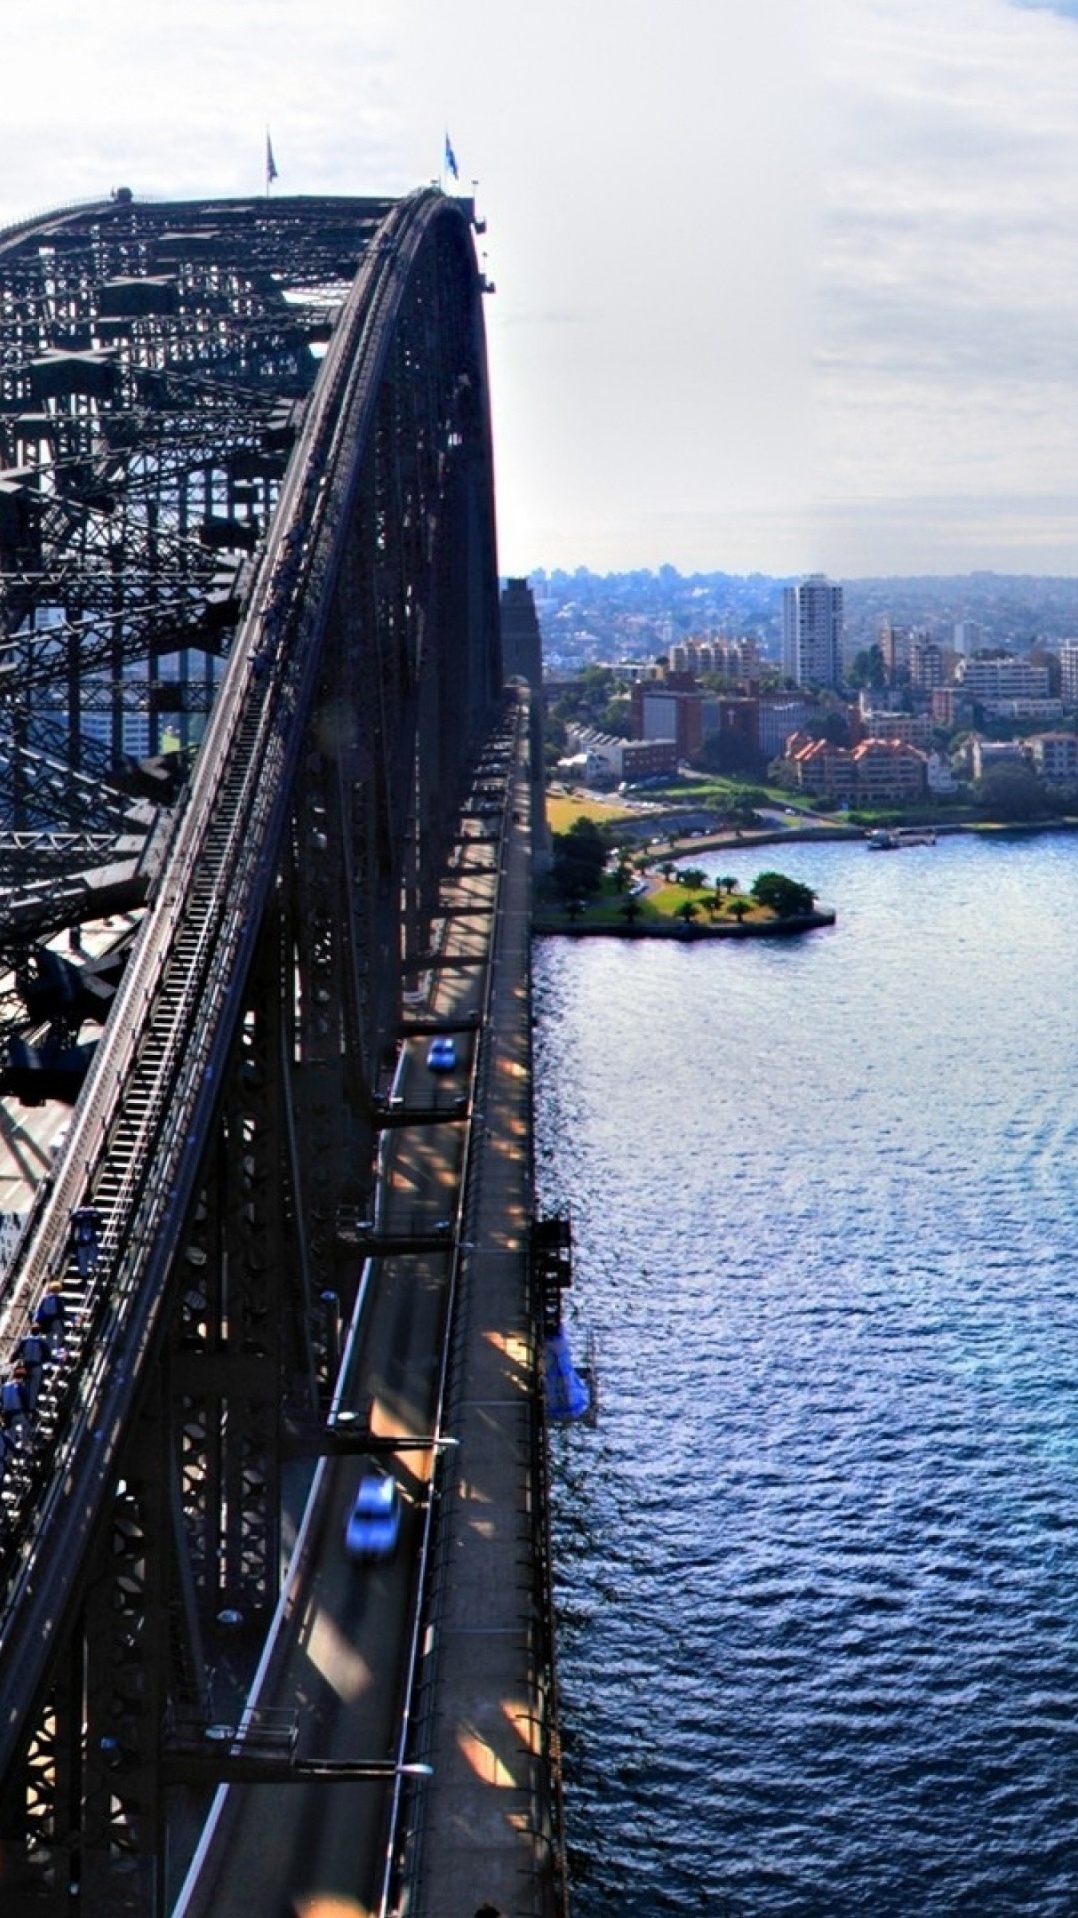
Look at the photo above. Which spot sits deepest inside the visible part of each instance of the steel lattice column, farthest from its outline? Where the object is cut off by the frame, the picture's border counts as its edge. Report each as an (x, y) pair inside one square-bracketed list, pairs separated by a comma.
[(242, 1346)]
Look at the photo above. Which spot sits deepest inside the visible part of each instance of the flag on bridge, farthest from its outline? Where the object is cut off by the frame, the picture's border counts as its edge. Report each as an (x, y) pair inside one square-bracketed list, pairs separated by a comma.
[(271, 164), (451, 159)]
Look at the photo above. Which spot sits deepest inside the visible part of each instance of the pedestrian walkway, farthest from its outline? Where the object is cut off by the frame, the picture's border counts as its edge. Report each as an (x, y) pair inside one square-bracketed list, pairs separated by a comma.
[(489, 1815)]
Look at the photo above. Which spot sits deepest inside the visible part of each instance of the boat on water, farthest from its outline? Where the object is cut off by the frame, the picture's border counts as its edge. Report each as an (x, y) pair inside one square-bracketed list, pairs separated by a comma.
[(881, 839)]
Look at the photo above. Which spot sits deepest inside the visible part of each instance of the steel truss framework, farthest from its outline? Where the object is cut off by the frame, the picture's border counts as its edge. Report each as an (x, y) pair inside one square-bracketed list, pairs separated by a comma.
[(233, 1104), (154, 367)]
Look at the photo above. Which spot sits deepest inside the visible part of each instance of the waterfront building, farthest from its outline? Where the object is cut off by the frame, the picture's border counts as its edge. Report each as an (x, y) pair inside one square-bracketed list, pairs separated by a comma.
[(938, 775), (988, 753), (824, 769), (889, 769), (812, 632), (1054, 755), (877, 769)]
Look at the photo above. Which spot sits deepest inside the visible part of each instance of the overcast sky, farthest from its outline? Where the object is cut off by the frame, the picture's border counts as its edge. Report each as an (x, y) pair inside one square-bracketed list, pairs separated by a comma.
[(783, 285)]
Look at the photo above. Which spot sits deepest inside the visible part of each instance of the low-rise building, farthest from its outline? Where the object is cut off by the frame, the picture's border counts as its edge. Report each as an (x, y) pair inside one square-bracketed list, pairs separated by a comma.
[(660, 713), (735, 720), (938, 775), (877, 769), (911, 728), (824, 769), (1007, 678), (613, 760), (986, 753), (890, 769), (1054, 755), (778, 716), (1023, 709)]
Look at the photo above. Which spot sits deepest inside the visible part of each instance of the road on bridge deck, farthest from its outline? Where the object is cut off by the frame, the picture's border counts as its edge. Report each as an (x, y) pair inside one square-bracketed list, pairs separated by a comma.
[(287, 1851)]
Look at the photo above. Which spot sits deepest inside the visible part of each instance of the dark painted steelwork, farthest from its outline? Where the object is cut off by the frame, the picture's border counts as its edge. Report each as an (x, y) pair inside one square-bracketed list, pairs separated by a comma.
[(185, 473)]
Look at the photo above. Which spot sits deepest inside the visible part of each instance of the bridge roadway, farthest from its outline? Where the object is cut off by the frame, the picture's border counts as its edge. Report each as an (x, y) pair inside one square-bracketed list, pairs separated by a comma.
[(439, 1661)]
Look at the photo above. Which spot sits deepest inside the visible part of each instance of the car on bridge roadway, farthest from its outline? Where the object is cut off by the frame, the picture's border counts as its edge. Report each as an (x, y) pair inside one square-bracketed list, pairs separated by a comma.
[(374, 1521), (442, 1056)]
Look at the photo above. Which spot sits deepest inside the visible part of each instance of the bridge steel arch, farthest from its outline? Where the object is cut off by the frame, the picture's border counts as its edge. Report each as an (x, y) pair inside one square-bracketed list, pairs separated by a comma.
[(179, 352)]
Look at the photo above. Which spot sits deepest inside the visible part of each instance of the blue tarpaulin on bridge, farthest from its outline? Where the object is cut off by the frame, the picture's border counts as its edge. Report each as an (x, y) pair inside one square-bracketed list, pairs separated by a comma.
[(567, 1396)]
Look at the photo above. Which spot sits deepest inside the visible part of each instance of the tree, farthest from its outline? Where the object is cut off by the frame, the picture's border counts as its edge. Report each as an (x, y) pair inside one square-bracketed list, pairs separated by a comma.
[(1011, 793), (630, 910), (742, 805), (687, 911), (579, 859), (739, 907), (868, 669), (786, 898)]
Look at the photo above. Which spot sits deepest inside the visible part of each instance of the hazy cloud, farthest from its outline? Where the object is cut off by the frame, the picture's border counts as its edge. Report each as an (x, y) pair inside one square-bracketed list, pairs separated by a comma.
[(1068, 7), (766, 276), (947, 345)]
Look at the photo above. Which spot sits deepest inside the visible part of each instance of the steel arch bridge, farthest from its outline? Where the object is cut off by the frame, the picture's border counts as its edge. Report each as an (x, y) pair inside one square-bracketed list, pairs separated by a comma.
[(249, 655)]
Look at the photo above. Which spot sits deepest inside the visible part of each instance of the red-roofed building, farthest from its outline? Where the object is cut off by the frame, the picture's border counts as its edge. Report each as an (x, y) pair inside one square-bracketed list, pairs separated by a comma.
[(876, 769)]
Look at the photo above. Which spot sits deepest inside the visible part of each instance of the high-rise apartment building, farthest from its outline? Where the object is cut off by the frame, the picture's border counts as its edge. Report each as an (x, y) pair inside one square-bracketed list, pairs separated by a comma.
[(1068, 671), (812, 632), (968, 637)]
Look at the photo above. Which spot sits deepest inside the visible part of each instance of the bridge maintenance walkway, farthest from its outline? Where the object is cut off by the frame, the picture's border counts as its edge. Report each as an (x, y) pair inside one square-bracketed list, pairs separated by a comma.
[(489, 1817)]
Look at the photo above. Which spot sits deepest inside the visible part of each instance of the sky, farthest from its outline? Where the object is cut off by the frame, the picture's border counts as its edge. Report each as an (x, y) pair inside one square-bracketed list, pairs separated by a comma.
[(782, 285)]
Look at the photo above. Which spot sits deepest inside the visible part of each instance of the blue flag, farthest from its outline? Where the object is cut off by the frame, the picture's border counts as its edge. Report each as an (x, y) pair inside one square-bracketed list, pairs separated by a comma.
[(450, 159)]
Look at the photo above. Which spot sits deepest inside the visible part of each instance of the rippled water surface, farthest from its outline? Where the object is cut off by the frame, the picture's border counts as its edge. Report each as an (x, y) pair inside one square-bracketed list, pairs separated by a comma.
[(818, 1577)]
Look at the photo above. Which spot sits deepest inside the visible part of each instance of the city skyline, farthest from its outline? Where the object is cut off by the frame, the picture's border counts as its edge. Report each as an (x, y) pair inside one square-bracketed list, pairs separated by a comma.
[(773, 295)]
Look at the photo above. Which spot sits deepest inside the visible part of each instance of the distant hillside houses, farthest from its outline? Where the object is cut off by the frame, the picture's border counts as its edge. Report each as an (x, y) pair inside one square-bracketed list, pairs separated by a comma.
[(919, 717)]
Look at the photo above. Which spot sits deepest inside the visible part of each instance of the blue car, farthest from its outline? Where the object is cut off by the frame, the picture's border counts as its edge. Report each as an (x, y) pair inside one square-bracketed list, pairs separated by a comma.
[(374, 1522), (442, 1056)]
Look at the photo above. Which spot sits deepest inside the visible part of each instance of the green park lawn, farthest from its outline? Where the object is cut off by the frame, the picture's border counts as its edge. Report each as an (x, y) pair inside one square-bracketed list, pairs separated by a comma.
[(659, 907)]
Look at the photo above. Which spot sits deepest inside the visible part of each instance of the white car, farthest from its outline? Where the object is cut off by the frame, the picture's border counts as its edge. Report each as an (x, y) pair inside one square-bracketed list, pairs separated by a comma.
[(374, 1522)]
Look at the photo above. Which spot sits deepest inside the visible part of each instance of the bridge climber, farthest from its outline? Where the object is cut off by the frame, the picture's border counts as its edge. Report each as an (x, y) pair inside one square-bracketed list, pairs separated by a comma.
[(249, 661)]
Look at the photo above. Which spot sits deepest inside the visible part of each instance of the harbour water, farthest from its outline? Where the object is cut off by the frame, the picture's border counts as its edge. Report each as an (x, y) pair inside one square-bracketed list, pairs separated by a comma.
[(818, 1561)]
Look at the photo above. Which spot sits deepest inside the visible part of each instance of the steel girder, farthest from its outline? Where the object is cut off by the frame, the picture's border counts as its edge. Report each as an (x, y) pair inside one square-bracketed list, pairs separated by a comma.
[(363, 678), (153, 364)]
